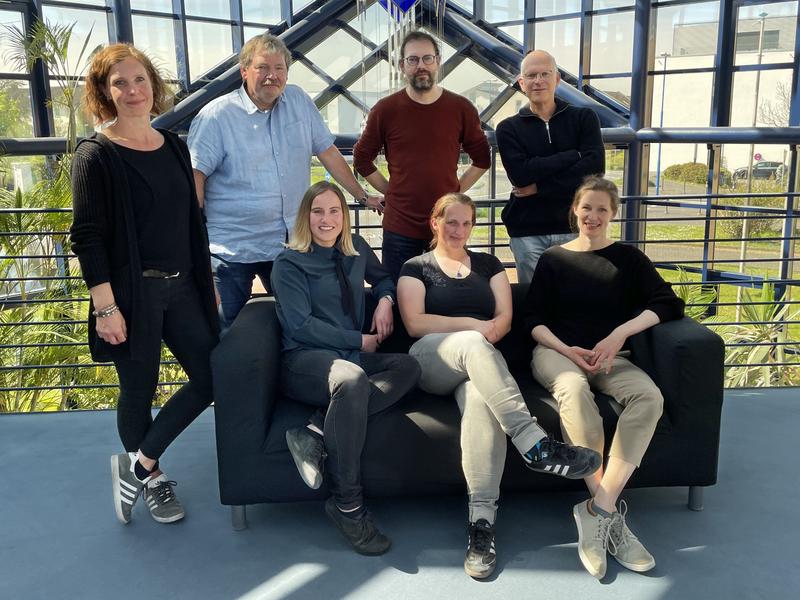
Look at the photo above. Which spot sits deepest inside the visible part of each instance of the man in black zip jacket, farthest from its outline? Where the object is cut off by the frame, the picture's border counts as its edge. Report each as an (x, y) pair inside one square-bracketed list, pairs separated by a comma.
[(547, 149)]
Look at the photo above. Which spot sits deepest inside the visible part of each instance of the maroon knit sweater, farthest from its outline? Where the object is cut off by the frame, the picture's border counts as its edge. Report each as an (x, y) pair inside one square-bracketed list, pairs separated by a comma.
[(422, 144)]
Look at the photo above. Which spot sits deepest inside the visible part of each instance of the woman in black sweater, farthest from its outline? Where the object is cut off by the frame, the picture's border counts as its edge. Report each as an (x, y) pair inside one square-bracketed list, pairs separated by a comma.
[(139, 236), (587, 298)]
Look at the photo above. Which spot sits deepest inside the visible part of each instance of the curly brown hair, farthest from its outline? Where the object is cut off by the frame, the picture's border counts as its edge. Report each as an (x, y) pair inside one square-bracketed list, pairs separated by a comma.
[(96, 101)]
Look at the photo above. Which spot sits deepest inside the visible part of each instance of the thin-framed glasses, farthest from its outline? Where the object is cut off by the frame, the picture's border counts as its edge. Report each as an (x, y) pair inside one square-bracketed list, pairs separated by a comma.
[(544, 76), (413, 61)]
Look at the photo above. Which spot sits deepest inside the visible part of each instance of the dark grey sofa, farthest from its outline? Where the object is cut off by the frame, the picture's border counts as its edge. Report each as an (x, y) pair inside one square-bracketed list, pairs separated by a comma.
[(413, 448)]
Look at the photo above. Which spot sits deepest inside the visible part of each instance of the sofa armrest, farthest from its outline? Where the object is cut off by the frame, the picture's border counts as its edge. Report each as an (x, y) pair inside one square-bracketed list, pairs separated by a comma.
[(246, 373), (686, 361)]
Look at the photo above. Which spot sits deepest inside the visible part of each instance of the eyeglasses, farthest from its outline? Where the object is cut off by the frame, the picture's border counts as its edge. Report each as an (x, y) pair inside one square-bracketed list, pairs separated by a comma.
[(413, 61), (544, 76)]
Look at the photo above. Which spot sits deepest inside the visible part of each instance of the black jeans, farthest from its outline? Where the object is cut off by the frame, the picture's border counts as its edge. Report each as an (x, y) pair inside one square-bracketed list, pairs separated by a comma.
[(397, 249), (172, 312), (351, 393)]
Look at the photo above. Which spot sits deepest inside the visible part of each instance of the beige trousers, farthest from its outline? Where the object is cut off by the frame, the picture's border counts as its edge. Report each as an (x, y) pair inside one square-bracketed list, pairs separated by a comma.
[(581, 423)]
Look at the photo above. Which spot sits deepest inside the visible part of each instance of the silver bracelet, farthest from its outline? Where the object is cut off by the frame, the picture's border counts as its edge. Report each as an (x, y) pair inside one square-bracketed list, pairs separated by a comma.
[(102, 313)]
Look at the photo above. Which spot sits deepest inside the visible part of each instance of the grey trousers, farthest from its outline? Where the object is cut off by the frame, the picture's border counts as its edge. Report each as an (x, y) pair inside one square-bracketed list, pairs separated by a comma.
[(491, 406), (581, 422)]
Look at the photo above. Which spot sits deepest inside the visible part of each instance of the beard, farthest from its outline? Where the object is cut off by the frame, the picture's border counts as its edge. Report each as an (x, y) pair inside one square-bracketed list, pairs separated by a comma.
[(421, 84)]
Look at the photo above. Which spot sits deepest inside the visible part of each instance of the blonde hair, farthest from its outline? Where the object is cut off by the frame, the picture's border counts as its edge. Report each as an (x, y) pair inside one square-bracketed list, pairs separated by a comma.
[(265, 42), (96, 100), (445, 202), (302, 237), (593, 183)]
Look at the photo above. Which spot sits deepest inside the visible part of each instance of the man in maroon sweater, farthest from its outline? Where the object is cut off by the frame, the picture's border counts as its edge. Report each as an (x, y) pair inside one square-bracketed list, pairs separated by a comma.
[(421, 130)]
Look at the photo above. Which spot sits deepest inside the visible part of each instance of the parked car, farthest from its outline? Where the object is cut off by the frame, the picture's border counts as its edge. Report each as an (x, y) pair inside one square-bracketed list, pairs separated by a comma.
[(763, 169)]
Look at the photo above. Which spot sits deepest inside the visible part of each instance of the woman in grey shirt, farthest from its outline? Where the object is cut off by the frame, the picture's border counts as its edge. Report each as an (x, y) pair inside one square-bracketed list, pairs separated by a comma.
[(328, 362)]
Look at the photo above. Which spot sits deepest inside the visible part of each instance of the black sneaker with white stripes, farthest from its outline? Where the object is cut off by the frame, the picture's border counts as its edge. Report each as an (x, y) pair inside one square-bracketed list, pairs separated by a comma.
[(127, 486), (481, 557), (160, 498), (557, 458)]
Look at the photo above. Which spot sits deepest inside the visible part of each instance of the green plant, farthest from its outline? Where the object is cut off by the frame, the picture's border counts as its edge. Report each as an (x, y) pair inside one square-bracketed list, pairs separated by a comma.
[(50, 43), (697, 297), (757, 346)]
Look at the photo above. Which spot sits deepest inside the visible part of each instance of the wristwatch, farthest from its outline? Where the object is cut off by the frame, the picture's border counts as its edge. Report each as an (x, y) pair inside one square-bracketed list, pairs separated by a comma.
[(363, 199), (389, 298)]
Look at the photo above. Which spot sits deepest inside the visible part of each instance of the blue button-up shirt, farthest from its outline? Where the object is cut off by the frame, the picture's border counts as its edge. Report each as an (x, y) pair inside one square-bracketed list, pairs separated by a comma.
[(258, 165)]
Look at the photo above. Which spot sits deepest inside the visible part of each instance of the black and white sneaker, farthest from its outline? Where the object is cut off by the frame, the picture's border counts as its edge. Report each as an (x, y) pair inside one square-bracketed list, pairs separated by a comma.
[(481, 557), (557, 458), (126, 485), (160, 498), (308, 453)]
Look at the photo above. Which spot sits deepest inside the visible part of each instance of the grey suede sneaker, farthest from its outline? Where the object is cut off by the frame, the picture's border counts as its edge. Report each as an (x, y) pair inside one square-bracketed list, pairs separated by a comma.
[(160, 498), (126, 486), (361, 532), (629, 551), (308, 452), (594, 532), (481, 557)]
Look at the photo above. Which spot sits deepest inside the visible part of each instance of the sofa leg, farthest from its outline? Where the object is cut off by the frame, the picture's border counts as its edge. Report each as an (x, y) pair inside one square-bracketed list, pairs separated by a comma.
[(695, 497), (239, 517)]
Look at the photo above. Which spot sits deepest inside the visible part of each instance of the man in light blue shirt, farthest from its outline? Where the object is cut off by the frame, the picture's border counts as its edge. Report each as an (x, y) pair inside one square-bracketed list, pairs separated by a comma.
[(251, 153)]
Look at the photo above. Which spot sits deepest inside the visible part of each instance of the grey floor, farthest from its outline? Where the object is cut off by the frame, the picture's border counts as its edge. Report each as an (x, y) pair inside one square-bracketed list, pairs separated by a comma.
[(59, 537)]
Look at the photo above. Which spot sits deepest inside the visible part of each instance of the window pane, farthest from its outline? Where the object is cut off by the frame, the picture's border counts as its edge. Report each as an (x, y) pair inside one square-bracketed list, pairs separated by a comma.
[(375, 23), (9, 19), (209, 44), (510, 108), (342, 116), (158, 36), (85, 126), (373, 86), (508, 10), (466, 4), (612, 43), (337, 54), (15, 109), (562, 40), (618, 88), (251, 32), (598, 4), (85, 21), (687, 34), (548, 8), (515, 31), (776, 43), (679, 92), (774, 94), (164, 6), (301, 75), (476, 83), (219, 9), (262, 11)]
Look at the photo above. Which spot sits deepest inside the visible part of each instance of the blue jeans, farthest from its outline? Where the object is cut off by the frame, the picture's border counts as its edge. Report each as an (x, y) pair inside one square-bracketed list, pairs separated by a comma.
[(234, 283), (397, 249), (528, 249)]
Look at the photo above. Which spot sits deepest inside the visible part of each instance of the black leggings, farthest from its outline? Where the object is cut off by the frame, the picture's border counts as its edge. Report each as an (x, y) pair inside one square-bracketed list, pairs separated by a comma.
[(173, 312)]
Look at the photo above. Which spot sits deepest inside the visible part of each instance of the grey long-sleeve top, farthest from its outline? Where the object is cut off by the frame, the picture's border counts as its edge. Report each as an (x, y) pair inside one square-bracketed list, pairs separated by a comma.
[(309, 300)]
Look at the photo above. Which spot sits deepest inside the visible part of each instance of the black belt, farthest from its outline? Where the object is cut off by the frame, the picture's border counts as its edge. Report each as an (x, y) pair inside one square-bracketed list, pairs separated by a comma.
[(156, 274)]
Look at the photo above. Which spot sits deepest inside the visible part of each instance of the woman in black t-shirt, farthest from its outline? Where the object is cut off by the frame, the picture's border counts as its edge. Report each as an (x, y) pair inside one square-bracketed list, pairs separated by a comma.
[(139, 236), (458, 303), (587, 297)]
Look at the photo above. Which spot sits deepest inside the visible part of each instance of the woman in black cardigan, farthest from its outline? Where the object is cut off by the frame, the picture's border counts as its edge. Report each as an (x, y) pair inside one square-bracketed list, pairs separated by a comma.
[(140, 239)]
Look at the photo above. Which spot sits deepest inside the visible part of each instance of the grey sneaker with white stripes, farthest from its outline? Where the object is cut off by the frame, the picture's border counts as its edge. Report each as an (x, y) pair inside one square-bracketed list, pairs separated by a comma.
[(557, 458), (161, 500), (126, 485)]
